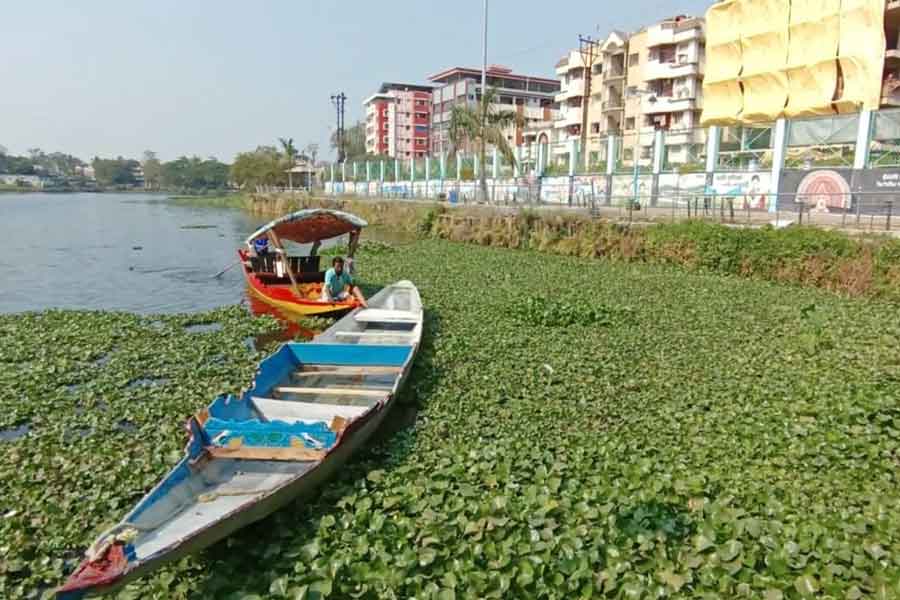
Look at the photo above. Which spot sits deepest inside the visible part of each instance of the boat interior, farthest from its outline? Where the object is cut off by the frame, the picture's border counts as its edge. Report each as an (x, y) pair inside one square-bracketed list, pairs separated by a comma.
[(306, 269), (302, 400)]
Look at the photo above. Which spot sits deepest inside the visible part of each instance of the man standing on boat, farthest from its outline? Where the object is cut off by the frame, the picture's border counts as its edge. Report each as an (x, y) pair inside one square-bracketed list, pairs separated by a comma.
[(339, 284)]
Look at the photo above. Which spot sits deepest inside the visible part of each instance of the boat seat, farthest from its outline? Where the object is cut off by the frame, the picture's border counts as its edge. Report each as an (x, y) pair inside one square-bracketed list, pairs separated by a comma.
[(377, 315), (273, 279), (306, 412), (272, 433)]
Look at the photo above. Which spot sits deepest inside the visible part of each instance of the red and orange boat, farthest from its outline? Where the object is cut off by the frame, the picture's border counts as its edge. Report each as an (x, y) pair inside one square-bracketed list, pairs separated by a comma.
[(293, 283)]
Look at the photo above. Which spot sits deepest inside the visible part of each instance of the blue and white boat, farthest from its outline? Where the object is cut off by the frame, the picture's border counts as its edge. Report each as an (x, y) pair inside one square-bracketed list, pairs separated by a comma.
[(309, 408)]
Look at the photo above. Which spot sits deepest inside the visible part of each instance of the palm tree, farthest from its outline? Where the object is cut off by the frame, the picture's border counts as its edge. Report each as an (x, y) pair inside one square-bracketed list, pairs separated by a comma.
[(483, 124), (290, 153)]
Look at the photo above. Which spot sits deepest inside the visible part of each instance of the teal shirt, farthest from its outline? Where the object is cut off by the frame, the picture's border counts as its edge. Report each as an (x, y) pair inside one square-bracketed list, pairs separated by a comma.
[(336, 283)]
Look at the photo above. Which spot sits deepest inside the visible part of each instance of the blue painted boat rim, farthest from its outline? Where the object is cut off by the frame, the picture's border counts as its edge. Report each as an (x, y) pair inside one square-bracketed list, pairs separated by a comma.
[(352, 355)]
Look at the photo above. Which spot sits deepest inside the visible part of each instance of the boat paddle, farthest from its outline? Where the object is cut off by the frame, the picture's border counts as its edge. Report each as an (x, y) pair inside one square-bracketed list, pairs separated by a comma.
[(225, 270)]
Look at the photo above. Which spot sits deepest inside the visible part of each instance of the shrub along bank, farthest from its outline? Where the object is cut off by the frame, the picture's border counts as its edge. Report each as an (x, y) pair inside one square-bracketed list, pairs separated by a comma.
[(586, 429)]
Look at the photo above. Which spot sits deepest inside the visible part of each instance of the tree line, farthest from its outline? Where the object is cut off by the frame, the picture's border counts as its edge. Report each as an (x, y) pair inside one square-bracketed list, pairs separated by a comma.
[(266, 167)]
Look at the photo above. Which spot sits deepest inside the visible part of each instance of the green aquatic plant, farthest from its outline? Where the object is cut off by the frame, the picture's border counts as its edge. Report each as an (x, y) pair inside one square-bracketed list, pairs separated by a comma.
[(705, 450), (562, 312)]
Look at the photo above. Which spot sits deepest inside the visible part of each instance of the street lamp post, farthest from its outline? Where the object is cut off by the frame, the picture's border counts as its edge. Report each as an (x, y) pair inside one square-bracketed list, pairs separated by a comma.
[(637, 144)]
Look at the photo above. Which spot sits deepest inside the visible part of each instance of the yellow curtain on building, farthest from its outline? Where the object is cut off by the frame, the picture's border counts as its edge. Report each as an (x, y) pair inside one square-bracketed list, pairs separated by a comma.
[(722, 101), (861, 54), (815, 32), (772, 58), (764, 51)]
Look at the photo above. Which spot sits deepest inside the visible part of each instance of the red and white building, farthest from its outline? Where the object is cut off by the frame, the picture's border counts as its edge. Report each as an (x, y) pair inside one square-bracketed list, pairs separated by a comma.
[(398, 121)]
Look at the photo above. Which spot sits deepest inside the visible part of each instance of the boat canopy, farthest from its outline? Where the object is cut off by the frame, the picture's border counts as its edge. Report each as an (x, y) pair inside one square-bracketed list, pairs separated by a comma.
[(310, 225)]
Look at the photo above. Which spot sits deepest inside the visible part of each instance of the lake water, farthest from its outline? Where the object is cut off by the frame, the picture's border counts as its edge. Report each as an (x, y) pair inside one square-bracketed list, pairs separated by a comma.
[(131, 252)]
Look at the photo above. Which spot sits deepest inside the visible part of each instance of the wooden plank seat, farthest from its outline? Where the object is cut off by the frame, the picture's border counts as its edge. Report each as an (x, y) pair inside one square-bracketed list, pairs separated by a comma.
[(373, 334), (271, 432), (316, 370), (381, 315), (295, 454), (333, 391), (307, 412), (271, 440)]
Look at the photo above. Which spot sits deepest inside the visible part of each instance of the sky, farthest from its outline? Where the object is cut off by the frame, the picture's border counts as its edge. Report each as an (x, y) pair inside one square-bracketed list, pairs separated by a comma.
[(214, 78)]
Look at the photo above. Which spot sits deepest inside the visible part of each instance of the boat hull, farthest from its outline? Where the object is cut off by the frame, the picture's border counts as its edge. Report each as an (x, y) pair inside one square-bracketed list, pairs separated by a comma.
[(304, 486), (284, 299)]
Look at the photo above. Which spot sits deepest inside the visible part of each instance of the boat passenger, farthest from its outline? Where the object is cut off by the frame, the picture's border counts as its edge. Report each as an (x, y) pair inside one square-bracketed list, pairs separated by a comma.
[(339, 284), (261, 246)]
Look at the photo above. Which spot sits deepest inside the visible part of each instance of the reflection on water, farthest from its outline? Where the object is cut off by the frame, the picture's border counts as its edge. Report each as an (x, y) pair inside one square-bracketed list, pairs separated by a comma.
[(290, 330)]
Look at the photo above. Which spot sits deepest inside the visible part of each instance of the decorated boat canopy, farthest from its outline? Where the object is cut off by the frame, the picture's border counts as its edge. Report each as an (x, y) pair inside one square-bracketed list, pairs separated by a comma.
[(310, 225)]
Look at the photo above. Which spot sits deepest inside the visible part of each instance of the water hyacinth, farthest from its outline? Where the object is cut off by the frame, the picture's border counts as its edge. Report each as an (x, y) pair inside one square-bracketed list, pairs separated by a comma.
[(673, 434)]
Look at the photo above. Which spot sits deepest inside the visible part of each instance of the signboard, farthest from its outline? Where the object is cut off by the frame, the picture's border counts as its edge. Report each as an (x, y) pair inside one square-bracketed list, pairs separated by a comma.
[(678, 189), (749, 189)]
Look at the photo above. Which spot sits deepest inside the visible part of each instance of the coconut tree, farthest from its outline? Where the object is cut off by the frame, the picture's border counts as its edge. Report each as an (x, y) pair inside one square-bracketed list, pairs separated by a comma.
[(481, 125)]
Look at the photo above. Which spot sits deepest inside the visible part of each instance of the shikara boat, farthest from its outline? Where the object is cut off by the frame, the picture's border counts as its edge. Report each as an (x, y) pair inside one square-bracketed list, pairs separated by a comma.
[(293, 284), (309, 408)]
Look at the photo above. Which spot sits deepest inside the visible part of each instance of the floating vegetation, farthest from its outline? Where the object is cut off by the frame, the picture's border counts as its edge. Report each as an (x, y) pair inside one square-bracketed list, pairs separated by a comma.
[(737, 439), (550, 312)]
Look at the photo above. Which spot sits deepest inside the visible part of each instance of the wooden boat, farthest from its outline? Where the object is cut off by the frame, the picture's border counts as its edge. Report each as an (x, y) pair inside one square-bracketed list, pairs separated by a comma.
[(309, 408), (293, 284)]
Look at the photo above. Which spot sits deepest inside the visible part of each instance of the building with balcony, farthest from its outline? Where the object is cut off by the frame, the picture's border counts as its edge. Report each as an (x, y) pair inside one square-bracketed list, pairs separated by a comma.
[(532, 97), (608, 102), (593, 91), (575, 90), (664, 87), (398, 121)]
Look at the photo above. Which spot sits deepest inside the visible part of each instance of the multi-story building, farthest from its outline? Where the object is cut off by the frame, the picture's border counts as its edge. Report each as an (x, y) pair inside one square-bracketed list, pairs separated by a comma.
[(605, 95), (530, 96), (672, 71), (649, 80), (608, 102), (574, 72), (398, 121)]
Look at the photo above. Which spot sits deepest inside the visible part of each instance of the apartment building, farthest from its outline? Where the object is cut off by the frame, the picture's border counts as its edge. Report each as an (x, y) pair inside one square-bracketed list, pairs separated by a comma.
[(532, 97), (398, 120), (604, 95), (671, 69), (639, 83)]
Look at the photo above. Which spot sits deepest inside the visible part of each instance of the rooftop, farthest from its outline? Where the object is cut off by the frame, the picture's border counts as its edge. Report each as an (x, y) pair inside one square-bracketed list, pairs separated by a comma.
[(492, 71), (406, 87)]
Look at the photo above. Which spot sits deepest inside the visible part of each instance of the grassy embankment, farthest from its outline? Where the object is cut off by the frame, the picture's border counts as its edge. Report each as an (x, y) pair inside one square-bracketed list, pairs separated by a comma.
[(586, 429)]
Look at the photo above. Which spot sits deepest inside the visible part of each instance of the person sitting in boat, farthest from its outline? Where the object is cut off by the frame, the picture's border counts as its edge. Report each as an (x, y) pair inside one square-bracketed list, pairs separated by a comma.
[(339, 284), (261, 246)]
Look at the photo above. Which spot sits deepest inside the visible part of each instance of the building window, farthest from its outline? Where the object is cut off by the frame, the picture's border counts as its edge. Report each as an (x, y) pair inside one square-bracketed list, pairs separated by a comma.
[(629, 123), (595, 127), (634, 59)]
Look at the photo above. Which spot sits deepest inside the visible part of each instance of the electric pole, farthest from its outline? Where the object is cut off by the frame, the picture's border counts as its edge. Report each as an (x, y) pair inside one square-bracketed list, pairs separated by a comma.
[(590, 51), (339, 101)]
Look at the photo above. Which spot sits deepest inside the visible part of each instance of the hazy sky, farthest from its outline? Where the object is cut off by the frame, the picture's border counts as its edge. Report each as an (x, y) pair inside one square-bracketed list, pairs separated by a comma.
[(108, 78)]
